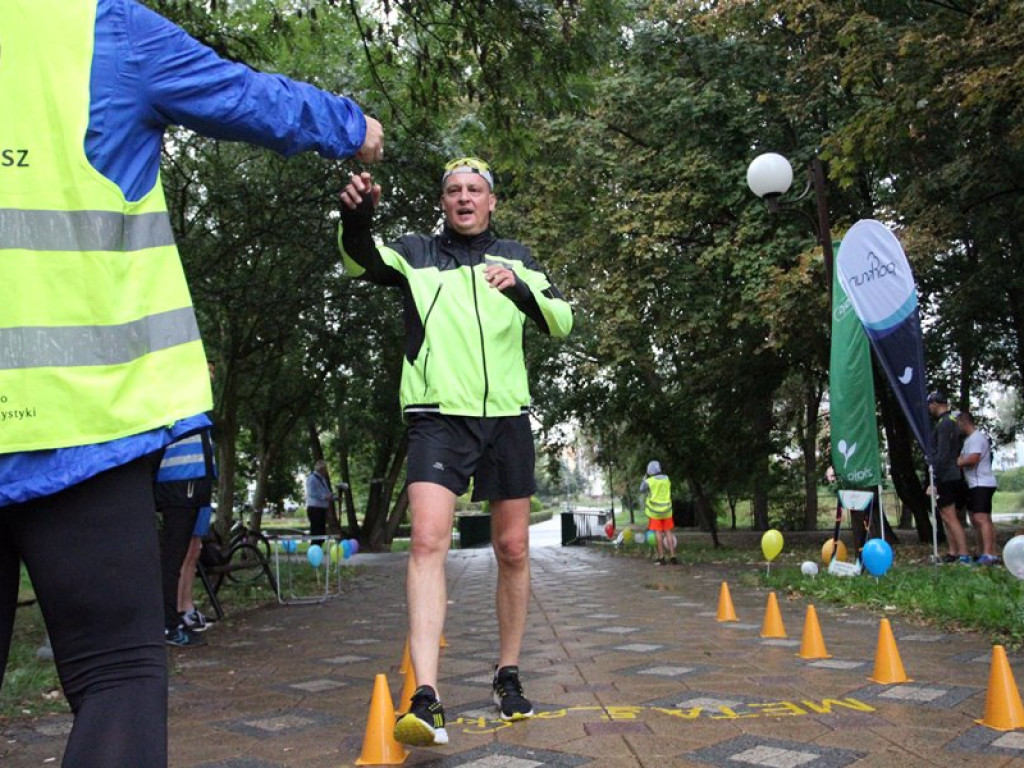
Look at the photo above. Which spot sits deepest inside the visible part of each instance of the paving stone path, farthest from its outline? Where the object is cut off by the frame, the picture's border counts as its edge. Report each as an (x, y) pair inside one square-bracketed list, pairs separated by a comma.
[(625, 662)]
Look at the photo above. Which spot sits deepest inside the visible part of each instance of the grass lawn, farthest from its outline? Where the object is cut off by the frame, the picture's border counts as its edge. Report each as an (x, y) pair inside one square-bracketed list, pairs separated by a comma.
[(30, 684), (988, 600)]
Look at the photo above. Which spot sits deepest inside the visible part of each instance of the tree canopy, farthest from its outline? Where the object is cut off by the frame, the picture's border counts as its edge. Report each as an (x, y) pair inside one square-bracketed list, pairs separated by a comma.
[(620, 132)]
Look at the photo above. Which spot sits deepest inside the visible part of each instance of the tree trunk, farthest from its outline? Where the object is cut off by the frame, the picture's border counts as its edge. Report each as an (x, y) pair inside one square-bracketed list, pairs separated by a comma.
[(227, 436), (812, 403), (350, 502), (346, 479), (705, 510), (375, 519), (259, 496), (397, 514), (397, 463), (762, 440), (1015, 294)]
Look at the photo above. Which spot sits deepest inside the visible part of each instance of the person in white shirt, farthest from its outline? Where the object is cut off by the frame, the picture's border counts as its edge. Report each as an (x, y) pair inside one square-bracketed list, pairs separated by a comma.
[(975, 460)]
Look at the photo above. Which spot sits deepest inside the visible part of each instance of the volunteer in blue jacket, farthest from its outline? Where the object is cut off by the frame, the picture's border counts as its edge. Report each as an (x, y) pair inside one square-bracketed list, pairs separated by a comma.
[(101, 364)]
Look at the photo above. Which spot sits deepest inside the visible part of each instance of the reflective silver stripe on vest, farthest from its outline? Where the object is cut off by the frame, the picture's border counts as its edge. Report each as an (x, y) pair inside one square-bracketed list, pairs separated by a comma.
[(83, 230), (43, 347)]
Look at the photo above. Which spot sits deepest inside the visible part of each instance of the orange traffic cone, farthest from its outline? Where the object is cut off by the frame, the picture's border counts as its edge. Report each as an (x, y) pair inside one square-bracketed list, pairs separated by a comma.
[(379, 745), (725, 610), (408, 689), (1003, 709), (772, 626), (888, 666), (406, 664), (813, 644)]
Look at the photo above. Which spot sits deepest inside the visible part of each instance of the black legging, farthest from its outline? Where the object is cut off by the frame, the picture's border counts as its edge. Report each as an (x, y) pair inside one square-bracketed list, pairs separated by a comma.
[(175, 536), (91, 552), (317, 523)]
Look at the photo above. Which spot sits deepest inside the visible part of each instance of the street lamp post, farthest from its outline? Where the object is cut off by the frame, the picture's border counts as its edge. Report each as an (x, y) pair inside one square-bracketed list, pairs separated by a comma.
[(770, 176)]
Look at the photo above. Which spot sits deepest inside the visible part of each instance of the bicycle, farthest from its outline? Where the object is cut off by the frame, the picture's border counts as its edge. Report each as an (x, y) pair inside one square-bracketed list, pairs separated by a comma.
[(240, 563), (241, 533)]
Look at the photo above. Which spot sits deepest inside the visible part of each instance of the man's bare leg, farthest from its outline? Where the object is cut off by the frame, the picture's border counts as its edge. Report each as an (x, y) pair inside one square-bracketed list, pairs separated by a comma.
[(510, 538), (986, 533), (954, 531), (432, 508)]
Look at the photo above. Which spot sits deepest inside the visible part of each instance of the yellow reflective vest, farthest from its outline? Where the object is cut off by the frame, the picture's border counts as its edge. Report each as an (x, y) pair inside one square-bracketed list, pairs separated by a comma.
[(659, 500), (98, 337)]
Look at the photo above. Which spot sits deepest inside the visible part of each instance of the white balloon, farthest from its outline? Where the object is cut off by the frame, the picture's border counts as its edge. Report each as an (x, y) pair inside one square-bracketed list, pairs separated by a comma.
[(1013, 556), (809, 568)]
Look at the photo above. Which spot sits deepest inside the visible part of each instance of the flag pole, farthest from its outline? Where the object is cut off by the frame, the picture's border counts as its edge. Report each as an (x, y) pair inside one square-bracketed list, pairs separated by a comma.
[(935, 527), (881, 513)]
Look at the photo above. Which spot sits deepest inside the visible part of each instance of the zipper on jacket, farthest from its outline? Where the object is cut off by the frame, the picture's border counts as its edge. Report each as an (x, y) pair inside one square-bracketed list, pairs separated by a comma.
[(426, 319), (483, 350)]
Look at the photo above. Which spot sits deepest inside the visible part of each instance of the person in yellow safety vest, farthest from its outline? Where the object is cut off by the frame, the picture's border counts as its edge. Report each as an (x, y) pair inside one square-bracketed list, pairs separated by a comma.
[(658, 507), (101, 364)]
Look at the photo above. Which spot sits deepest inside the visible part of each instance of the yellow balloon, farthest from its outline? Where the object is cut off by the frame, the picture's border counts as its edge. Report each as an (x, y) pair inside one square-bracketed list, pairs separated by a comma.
[(627, 535), (771, 544), (826, 552)]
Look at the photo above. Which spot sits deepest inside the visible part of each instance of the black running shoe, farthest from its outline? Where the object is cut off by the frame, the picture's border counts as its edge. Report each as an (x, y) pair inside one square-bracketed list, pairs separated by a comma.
[(423, 724), (508, 694), (182, 637)]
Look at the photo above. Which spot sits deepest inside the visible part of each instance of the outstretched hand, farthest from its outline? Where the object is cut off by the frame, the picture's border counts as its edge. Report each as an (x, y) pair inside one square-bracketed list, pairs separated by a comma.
[(372, 150), (360, 186)]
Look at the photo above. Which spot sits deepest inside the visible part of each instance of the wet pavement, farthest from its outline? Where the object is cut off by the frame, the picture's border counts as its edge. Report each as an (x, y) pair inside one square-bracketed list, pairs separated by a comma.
[(626, 663)]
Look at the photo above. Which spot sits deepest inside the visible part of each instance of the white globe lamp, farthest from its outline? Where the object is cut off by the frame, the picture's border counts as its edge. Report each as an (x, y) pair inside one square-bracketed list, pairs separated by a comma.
[(769, 175)]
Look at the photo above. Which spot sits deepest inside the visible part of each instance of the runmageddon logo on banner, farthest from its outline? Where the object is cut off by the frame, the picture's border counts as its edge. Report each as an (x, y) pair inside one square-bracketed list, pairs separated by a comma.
[(873, 271)]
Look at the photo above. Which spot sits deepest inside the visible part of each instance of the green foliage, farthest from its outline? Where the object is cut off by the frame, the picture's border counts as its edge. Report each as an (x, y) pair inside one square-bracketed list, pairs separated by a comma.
[(988, 600), (31, 686), (620, 132), (1011, 479)]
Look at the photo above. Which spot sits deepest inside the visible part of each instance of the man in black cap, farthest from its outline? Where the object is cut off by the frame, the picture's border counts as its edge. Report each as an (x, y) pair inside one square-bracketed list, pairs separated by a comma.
[(950, 489)]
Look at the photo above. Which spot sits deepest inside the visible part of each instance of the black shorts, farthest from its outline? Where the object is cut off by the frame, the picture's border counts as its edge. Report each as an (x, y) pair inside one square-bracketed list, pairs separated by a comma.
[(980, 499), (951, 492), (496, 452)]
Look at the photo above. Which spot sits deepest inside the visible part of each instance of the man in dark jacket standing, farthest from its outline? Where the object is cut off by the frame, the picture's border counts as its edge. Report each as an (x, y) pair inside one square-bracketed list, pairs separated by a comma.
[(950, 488)]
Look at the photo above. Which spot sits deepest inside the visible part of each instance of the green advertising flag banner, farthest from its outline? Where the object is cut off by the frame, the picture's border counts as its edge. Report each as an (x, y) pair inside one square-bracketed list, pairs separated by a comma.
[(851, 398)]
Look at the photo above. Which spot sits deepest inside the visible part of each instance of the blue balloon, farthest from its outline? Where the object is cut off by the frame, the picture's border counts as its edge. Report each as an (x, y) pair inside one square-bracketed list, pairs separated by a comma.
[(354, 545), (290, 546), (315, 555), (346, 549), (877, 556)]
